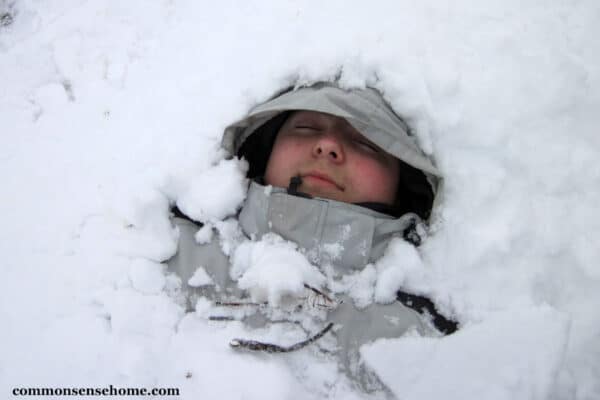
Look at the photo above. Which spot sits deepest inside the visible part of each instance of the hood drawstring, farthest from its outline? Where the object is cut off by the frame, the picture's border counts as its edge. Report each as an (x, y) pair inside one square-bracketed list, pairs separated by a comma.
[(292, 189)]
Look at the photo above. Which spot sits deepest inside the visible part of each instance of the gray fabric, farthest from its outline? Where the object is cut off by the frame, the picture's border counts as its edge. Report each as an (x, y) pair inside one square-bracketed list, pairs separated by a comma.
[(364, 109), (321, 226), (190, 256), (359, 327)]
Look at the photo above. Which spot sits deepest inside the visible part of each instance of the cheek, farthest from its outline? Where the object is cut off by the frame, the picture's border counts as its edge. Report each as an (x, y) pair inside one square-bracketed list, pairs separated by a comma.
[(281, 163), (376, 181)]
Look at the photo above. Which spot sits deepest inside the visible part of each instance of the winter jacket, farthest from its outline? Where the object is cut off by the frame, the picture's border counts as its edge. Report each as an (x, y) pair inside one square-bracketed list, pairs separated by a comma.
[(312, 223), (360, 235)]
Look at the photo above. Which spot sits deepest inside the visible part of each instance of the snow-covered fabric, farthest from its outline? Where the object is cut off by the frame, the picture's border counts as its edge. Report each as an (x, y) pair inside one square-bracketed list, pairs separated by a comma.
[(331, 232), (268, 284)]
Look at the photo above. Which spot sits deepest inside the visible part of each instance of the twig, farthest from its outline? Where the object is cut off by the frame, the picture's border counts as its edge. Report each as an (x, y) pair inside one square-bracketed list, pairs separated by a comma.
[(274, 348)]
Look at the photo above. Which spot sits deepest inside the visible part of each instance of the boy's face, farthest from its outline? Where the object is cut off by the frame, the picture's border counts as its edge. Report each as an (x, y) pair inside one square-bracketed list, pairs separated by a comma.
[(334, 160)]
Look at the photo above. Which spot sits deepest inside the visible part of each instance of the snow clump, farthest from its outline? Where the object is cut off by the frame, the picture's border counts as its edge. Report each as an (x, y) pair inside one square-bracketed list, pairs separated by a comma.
[(272, 268), (200, 278), (399, 259), (212, 194)]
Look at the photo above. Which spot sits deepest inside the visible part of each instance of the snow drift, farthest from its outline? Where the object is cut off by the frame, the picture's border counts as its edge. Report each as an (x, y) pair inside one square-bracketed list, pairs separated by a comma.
[(109, 111)]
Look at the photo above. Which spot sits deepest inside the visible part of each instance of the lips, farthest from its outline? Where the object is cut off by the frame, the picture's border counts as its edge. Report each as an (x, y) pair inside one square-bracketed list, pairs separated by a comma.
[(323, 178)]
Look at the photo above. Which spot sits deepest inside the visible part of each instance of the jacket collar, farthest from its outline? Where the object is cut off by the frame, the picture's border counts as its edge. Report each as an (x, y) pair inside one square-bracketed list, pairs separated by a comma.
[(344, 235)]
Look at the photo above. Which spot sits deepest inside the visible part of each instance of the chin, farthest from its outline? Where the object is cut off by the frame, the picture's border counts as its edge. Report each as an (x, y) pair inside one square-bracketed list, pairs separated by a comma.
[(324, 194)]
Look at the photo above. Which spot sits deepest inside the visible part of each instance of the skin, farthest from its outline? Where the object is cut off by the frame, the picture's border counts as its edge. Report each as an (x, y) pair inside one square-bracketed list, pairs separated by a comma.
[(334, 160)]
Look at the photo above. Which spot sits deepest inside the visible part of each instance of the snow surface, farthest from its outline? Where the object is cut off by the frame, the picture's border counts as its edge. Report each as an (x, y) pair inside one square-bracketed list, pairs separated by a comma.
[(109, 110), (200, 278), (258, 268)]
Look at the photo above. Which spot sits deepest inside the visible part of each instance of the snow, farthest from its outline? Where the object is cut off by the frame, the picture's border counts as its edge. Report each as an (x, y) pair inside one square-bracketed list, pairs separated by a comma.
[(400, 260), (518, 362), (211, 194), (200, 278), (204, 234), (360, 286), (272, 269), (147, 276), (109, 111)]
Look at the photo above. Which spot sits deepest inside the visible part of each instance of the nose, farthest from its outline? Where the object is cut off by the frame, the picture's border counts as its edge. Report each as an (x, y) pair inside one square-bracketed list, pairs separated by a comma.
[(329, 145)]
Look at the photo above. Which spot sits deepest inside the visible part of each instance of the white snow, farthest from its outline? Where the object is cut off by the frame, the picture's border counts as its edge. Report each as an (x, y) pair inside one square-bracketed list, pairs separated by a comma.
[(111, 110), (518, 363), (360, 286), (212, 194), (204, 234), (147, 276), (400, 260), (272, 269), (200, 278)]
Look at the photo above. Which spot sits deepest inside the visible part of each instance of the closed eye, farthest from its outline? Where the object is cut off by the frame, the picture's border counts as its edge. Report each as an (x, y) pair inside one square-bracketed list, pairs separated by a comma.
[(305, 127), (368, 146)]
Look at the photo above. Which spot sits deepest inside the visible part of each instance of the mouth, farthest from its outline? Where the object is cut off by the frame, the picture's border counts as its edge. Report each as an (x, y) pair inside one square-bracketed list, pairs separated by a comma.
[(322, 179)]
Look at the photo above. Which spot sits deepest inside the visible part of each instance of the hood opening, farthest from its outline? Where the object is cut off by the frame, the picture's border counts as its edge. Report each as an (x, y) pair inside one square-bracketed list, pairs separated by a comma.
[(414, 193), (256, 149)]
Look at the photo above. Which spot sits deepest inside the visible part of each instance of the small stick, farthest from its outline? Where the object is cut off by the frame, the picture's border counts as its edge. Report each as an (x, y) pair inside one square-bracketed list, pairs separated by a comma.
[(317, 291), (274, 348)]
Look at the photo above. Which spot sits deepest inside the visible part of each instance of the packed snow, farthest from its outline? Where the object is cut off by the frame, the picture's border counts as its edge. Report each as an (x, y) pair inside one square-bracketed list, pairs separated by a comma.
[(200, 278), (111, 112), (257, 268)]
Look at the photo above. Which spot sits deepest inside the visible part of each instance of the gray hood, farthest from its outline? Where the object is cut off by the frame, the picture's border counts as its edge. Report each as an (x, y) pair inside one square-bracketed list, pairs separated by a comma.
[(364, 109), (342, 234)]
